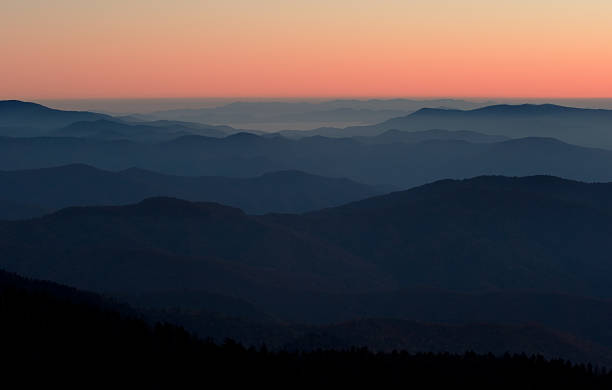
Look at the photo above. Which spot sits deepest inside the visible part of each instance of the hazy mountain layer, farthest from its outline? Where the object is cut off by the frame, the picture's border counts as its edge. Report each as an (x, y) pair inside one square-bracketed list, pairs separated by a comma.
[(23, 119), (81, 185), (246, 155), (113, 130), (303, 115), (15, 114), (580, 126)]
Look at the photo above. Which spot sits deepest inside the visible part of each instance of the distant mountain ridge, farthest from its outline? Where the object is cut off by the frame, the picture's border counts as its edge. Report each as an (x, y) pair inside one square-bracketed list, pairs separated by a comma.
[(25, 119), (580, 126), (15, 113), (82, 185), (109, 130), (372, 161), (273, 115)]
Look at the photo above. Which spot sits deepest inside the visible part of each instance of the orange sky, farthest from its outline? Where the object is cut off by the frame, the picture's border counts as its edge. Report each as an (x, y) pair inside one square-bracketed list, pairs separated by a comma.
[(291, 48)]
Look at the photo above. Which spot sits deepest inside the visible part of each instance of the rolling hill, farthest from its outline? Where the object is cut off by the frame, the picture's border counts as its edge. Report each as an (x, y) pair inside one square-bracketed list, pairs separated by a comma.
[(522, 253), (540, 233), (488, 233), (165, 243), (82, 185)]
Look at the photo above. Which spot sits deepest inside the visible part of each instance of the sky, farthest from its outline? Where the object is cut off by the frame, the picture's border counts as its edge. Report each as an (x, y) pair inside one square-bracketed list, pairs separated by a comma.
[(72, 49)]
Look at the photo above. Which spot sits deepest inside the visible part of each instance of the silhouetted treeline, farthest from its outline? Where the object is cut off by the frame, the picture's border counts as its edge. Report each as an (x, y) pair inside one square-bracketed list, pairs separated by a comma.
[(53, 335)]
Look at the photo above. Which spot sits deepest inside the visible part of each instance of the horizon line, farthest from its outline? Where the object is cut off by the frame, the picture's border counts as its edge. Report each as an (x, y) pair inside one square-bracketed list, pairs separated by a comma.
[(314, 97)]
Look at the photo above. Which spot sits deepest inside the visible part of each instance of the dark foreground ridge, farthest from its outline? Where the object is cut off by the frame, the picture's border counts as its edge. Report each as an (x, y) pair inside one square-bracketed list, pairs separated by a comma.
[(65, 336)]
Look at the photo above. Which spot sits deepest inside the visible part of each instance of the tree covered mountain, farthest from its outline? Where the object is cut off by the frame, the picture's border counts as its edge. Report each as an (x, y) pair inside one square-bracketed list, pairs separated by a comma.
[(47, 327), (488, 232), (539, 233), (165, 243)]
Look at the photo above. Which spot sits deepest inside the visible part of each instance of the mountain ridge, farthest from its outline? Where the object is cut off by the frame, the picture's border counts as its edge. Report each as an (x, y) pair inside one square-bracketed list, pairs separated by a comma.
[(16, 113), (83, 185), (400, 164), (579, 126), (467, 235)]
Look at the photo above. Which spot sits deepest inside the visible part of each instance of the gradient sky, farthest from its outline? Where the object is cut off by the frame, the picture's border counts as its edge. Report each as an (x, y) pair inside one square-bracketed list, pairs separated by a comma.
[(292, 48)]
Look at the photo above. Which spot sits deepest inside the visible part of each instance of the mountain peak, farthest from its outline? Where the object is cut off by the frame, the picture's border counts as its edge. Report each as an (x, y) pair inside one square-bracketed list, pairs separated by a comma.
[(26, 114), (432, 110), (21, 105), (503, 109), (526, 108)]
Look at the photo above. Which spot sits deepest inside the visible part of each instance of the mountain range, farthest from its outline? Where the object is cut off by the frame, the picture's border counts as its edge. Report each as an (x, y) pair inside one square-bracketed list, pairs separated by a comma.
[(487, 244), (277, 115), (403, 152), (25, 119), (247, 155), (470, 235), (147, 132), (579, 126), (271, 238), (82, 185), (24, 116)]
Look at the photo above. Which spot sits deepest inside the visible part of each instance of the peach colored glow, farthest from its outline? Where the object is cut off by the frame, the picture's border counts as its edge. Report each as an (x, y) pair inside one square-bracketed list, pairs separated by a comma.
[(282, 48)]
